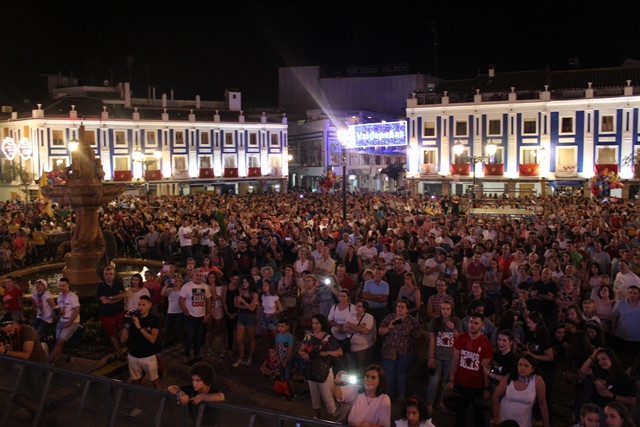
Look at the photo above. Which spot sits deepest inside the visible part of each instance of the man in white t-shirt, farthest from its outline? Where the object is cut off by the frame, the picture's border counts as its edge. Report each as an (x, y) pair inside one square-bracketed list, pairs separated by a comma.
[(185, 235), (69, 308), (195, 301), (368, 253), (624, 279)]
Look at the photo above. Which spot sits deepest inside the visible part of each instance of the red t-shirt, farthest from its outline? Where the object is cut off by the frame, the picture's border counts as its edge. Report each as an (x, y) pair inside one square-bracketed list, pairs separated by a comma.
[(472, 351), (155, 290), (11, 299)]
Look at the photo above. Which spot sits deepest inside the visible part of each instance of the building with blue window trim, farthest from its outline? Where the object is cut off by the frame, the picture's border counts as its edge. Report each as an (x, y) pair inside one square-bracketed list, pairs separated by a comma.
[(525, 132), (161, 144)]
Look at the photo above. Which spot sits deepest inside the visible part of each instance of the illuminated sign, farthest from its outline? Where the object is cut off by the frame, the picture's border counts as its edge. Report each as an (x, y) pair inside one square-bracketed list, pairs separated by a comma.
[(378, 135), (23, 147)]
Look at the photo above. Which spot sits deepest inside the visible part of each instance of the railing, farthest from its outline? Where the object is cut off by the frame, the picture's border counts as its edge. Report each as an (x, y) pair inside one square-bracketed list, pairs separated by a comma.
[(32, 394)]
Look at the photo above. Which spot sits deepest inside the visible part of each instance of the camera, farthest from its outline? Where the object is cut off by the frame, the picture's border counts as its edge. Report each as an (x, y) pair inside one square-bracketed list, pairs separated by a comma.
[(128, 317), (396, 322)]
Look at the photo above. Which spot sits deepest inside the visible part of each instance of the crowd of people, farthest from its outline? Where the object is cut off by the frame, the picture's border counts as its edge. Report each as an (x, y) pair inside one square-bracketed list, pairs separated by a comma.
[(509, 305)]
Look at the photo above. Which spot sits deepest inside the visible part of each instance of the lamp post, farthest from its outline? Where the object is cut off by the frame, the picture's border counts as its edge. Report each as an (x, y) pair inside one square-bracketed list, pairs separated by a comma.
[(344, 183), (490, 149), (138, 157)]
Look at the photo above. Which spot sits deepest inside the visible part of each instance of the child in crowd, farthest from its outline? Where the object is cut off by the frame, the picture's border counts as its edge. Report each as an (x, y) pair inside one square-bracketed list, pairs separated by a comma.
[(284, 349), (270, 367), (201, 389)]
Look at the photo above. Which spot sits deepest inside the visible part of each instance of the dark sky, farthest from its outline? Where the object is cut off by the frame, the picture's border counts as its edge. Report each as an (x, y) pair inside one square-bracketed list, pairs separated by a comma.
[(204, 47)]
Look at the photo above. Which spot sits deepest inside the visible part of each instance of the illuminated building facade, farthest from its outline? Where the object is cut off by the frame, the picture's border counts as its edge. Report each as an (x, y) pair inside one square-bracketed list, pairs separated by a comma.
[(165, 145), (550, 130)]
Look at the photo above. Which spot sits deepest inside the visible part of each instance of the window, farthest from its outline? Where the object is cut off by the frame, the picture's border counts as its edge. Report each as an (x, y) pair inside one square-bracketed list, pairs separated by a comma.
[(151, 163), (429, 157), (229, 160), (461, 128), (462, 158), (121, 139), (529, 156), (495, 127), (57, 137), (429, 129), (58, 163), (498, 157), (179, 137), (205, 162), (90, 137), (121, 163), (204, 138), (567, 156), (180, 163), (151, 138), (253, 140), (606, 124), (275, 161), (253, 160), (529, 126), (566, 125), (367, 160), (228, 139), (606, 155), (275, 141)]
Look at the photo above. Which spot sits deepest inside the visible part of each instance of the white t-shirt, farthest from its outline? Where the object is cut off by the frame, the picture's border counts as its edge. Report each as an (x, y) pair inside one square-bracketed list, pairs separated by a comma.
[(269, 303), (173, 298), (362, 341), (184, 241), (340, 316), (131, 301), (195, 298), (66, 304), (45, 311)]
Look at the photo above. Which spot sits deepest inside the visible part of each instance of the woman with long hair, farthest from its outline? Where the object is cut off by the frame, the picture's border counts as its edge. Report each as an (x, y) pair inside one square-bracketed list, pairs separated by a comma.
[(517, 393), (540, 347), (609, 382), (135, 291), (416, 414), (370, 405), (443, 330), (247, 304), (271, 308), (604, 306), (288, 292), (617, 415), (301, 265), (215, 325), (353, 264), (229, 294), (409, 292)]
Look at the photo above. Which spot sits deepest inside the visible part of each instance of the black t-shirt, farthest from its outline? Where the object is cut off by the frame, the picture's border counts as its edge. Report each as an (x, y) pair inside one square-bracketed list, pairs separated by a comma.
[(211, 415), (544, 306), (503, 364), (538, 346), (620, 385), (139, 346), (107, 291)]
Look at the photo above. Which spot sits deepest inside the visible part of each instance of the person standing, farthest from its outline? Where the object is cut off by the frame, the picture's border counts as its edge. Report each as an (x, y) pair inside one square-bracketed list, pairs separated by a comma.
[(13, 300), (44, 303), (69, 309), (195, 301), (141, 331), (185, 237), (625, 320), (376, 293), (111, 296), (472, 352)]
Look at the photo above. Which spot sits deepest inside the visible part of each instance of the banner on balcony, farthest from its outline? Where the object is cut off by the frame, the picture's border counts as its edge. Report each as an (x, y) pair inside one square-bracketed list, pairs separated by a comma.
[(529, 169), (460, 169)]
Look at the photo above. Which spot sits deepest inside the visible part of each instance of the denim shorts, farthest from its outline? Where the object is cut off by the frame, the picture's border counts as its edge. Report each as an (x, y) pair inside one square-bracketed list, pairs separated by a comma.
[(247, 319), (270, 323)]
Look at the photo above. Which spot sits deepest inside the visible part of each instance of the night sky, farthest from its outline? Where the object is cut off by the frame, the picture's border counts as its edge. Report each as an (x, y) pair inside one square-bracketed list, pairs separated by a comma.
[(204, 47)]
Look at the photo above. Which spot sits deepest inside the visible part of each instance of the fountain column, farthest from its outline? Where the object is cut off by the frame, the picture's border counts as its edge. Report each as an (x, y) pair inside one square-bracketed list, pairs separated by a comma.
[(85, 192)]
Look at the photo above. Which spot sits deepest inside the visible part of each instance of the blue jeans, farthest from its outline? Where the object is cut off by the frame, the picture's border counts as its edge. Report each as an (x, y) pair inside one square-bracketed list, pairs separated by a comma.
[(397, 374), (194, 330), (437, 380)]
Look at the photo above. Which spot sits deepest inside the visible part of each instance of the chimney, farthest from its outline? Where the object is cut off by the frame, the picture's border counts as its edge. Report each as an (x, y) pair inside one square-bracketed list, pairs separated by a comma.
[(127, 95), (445, 97), (216, 117), (284, 118), (172, 94), (545, 95), (628, 89), (192, 117), (241, 117), (105, 113), (153, 95), (588, 93), (197, 101), (39, 113), (136, 115), (477, 98), (492, 71), (263, 119), (73, 114), (165, 115), (513, 95), (164, 100)]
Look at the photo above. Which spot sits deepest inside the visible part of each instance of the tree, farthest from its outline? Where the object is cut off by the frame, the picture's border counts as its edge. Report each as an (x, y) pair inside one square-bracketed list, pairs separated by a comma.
[(12, 171)]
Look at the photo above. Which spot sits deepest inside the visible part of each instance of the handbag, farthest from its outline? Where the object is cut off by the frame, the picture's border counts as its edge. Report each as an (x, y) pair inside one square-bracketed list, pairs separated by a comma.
[(318, 369)]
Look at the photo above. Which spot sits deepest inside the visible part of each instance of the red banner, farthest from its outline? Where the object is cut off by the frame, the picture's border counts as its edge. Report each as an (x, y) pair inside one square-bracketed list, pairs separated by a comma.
[(122, 175), (529, 169), (464, 169), (206, 173), (496, 169), (255, 172), (230, 172), (611, 168), (154, 175)]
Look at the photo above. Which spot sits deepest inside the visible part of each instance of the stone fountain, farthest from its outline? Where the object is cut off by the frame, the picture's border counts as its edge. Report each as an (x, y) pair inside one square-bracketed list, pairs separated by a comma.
[(85, 192)]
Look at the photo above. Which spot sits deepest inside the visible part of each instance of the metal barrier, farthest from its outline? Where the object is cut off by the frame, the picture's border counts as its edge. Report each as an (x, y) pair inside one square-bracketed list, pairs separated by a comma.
[(32, 394)]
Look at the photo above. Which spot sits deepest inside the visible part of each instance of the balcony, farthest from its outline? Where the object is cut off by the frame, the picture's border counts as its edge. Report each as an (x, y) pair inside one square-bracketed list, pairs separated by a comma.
[(460, 169), (601, 167), (428, 169), (206, 173), (122, 176), (254, 171), (230, 172), (154, 175), (529, 169), (566, 171), (181, 174), (493, 169)]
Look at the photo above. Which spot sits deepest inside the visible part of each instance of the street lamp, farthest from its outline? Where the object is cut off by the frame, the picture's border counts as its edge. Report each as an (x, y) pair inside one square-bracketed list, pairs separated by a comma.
[(490, 149)]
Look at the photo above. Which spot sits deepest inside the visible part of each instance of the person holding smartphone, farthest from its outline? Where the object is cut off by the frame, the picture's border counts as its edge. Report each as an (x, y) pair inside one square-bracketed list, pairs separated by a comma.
[(399, 331)]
